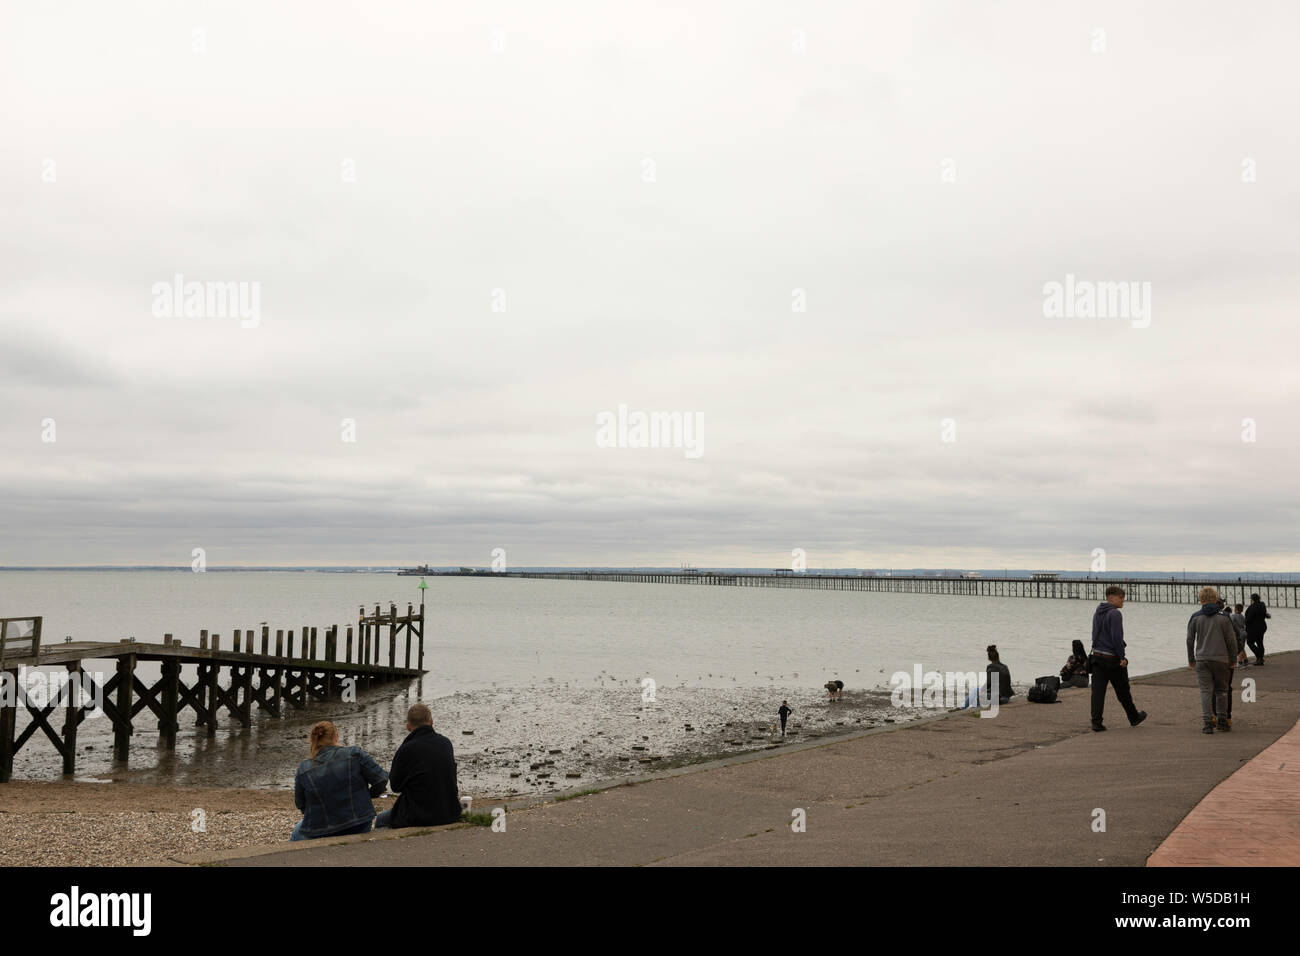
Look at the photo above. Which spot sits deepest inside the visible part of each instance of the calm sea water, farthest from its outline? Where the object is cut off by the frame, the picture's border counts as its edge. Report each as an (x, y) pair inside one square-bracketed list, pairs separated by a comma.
[(571, 655)]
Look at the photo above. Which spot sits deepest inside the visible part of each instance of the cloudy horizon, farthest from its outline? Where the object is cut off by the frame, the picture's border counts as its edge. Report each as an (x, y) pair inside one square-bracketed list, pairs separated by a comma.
[(930, 285)]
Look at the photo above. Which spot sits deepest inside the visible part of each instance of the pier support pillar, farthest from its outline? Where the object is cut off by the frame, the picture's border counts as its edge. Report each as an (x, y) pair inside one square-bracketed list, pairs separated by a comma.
[(209, 679), (122, 728), (71, 717), (167, 723), (8, 724)]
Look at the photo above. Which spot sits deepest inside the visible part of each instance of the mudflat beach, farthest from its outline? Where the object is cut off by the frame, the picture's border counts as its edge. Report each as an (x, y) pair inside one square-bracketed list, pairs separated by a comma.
[(1021, 788), (602, 738)]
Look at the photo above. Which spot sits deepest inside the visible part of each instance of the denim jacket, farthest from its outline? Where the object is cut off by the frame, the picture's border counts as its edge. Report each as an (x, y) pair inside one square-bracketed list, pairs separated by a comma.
[(334, 790)]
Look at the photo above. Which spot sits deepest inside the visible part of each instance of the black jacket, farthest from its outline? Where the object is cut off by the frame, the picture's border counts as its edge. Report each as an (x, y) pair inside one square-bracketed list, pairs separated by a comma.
[(1255, 623), (424, 773)]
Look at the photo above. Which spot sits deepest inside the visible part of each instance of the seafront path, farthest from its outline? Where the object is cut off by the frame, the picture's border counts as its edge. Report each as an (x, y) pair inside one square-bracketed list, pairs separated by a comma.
[(1024, 787)]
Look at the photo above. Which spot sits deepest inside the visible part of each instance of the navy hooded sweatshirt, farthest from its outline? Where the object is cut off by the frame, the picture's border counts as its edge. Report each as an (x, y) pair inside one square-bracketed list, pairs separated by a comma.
[(1108, 630)]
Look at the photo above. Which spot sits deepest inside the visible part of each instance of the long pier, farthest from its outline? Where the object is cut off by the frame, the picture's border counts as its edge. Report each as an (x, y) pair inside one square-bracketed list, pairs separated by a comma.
[(1236, 591), (272, 677)]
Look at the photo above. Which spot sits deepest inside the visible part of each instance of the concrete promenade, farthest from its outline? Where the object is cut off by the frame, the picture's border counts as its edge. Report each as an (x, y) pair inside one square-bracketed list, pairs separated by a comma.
[(1020, 788)]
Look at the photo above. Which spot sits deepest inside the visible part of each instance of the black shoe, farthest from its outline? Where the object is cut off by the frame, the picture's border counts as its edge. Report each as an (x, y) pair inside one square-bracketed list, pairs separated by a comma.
[(1142, 715), (1223, 726), (1208, 729), (1098, 727)]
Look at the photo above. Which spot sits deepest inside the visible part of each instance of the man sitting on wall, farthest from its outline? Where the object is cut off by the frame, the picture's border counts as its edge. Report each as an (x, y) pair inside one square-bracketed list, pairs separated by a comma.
[(424, 774)]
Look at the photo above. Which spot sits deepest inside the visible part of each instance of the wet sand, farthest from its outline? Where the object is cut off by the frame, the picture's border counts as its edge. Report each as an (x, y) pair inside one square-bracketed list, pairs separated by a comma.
[(531, 748)]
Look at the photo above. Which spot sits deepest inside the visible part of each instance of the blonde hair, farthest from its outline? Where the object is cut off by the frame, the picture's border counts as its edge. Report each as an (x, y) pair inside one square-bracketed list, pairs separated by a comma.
[(1208, 595), (323, 733)]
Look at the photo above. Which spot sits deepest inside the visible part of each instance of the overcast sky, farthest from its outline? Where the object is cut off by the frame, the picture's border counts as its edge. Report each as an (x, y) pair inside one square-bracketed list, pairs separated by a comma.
[(475, 227)]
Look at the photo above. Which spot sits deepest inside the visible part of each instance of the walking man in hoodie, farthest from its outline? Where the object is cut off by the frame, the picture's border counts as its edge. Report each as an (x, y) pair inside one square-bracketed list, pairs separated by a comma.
[(1212, 651), (1109, 660)]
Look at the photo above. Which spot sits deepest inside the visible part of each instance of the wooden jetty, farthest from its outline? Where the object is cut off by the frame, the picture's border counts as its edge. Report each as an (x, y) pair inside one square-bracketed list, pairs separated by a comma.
[(1143, 590), (272, 674)]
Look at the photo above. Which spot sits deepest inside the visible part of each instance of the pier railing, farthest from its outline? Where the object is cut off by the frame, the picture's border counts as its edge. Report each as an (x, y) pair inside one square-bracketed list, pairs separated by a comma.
[(1144, 590)]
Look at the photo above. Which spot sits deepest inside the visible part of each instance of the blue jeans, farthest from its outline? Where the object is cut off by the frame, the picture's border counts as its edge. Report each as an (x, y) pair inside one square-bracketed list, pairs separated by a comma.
[(384, 820), (359, 828)]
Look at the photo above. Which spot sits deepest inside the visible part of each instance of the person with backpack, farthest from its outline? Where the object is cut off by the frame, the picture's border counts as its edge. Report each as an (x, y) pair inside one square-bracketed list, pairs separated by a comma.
[(1108, 662), (1075, 671), (1212, 653), (1256, 624)]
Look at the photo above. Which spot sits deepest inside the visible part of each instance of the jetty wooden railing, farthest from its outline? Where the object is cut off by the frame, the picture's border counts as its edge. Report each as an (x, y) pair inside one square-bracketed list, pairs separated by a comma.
[(272, 677), (20, 636)]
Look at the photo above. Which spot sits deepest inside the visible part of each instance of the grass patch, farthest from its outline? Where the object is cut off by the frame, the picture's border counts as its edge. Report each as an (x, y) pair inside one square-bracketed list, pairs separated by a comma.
[(477, 819)]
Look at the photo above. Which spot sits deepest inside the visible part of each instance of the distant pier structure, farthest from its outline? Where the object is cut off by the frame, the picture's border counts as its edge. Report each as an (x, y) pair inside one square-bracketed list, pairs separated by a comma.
[(273, 674), (1043, 585)]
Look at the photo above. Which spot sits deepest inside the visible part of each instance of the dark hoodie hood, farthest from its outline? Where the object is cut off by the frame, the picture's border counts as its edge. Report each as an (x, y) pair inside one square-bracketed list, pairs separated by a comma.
[(1210, 610), (1105, 607)]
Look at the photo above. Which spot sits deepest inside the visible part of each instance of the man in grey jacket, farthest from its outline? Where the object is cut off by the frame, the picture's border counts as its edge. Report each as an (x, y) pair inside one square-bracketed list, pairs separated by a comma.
[(1212, 651)]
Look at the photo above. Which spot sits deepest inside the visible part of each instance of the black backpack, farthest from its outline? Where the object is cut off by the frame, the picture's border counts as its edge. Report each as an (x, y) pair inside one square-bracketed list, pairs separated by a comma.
[(1044, 690)]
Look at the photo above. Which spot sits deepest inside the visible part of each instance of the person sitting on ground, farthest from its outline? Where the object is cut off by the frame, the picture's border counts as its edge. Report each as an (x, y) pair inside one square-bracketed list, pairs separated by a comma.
[(1075, 671), (333, 787), (424, 776), (996, 666)]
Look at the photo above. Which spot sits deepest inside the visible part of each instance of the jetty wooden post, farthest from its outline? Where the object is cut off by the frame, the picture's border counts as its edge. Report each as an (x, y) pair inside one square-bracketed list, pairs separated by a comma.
[(423, 587), (8, 726), (210, 681), (71, 717), (348, 659), (409, 618), (392, 635), (167, 723), (239, 634), (246, 680), (313, 646), (290, 643), (248, 641), (277, 691), (279, 642), (122, 728), (266, 639), (203, 640)]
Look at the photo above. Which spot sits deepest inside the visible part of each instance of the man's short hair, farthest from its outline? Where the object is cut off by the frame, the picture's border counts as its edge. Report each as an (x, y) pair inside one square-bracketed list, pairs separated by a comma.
[(1254, 597), (1114, 591), (419, 716), (1237, 607), (1209, 595)]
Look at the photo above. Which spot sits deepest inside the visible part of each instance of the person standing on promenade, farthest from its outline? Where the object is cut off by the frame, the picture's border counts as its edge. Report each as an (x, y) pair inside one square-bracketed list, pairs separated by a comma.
[(1109, 661), (785, 711), (333, 787), (424, 776), (1256, 625), (1212, 652), (1239, 625)]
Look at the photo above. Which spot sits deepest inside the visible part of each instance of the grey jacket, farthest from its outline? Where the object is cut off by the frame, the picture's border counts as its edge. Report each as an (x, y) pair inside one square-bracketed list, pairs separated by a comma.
[(1211, 637)]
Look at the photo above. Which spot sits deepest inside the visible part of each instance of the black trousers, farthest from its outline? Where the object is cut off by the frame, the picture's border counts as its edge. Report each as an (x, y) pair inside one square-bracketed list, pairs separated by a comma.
[(1107, 670), (1256, 645)]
